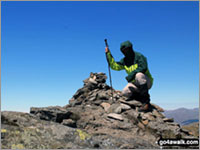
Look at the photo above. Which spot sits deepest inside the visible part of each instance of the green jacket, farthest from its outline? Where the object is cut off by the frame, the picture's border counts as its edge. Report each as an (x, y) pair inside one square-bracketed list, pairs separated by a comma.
[(139, 65)]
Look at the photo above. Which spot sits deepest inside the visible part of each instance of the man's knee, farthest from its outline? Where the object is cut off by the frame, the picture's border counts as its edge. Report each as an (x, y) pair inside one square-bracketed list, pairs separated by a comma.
[(140, 75), (140, 78)]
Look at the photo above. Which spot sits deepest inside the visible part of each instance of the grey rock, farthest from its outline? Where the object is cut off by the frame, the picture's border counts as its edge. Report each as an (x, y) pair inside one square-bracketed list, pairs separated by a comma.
[(101, 77), (69, 122), (164, 130), (56, 114), (125, 107), (113, 108), (118, 110), (132, 103), (97, 102), (148, 116), (96, 77), (92, 81), (115, 116), (121, 108), (75, 102), (132, 116), (105, 106), (92, 98), (81, 92), (103, 95)]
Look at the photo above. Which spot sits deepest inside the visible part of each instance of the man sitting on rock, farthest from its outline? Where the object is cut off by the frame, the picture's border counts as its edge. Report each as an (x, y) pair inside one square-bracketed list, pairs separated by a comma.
[(139, 78)]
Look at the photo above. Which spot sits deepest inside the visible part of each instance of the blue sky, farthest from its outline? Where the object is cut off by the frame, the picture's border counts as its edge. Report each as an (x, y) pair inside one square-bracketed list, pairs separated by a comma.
[(49, 48)]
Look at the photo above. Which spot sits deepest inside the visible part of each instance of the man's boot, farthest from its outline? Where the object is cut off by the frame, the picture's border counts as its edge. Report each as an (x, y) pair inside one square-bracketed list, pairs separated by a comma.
[(145, 106), (144, 98)]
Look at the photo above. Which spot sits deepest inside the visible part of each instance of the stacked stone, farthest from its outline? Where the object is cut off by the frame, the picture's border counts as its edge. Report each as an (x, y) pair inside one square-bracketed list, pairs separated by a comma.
[(94, 91)]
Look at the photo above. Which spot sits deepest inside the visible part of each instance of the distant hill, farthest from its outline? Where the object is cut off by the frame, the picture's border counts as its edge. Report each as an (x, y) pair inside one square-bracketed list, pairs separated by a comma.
[(183, 116)]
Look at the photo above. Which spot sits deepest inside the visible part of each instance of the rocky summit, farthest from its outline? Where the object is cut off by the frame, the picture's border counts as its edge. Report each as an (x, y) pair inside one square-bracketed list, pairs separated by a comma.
[(96, 117)]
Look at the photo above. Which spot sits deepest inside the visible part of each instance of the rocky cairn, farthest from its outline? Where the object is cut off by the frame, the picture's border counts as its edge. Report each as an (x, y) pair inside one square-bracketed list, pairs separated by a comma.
[(96, 117)]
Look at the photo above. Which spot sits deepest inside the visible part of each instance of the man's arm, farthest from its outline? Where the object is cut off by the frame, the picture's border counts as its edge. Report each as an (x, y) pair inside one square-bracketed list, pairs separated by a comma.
[(113, 65)]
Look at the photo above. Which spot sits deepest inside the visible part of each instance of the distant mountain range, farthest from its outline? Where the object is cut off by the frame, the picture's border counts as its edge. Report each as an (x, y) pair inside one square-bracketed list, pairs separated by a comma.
[(183, 116)]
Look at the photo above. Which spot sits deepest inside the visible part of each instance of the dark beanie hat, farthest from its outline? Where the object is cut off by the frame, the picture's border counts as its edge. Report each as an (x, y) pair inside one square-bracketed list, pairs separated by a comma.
[(126, 44)]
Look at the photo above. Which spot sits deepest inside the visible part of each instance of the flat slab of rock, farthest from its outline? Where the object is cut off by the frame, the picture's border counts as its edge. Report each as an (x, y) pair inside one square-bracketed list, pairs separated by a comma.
[(105, 106), (132, 103), (69, 122), (115, 116), (125, 107), (122, 107)]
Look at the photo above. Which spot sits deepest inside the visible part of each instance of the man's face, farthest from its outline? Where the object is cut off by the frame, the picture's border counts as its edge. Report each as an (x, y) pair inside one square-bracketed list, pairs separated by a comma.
[(127, 51)]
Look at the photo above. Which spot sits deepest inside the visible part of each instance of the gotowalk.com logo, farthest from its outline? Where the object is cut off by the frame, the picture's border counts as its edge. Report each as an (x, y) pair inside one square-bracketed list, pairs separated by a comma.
[(178, 142)]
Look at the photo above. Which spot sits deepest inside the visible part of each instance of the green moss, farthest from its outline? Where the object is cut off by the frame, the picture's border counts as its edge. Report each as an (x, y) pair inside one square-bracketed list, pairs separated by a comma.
[(3, 130), (83, 135), (17, 132), (17, 146)]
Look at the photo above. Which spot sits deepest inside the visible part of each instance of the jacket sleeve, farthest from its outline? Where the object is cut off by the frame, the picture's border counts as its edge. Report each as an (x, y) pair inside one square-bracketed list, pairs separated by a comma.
[(142, 67), (114, 65)]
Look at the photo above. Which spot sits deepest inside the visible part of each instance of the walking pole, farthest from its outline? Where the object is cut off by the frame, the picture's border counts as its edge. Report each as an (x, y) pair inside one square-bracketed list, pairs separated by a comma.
[(109, 69)]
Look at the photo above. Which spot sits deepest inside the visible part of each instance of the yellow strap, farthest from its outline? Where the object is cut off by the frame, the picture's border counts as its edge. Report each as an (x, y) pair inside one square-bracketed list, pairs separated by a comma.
[(131, 68)]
